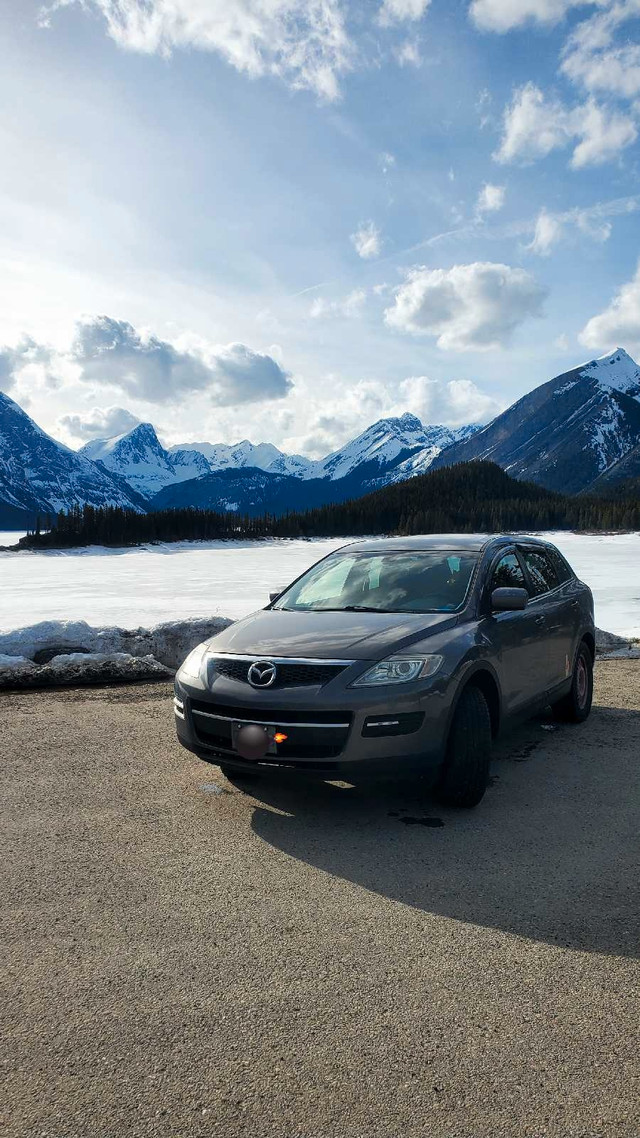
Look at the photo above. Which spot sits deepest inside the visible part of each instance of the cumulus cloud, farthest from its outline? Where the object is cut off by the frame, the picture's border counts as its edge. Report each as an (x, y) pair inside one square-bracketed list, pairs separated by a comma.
[(397, 11), (303, 42), (101, 423), (242, 375), (534, 125), (366, 240), (503, 15), (112, 352), (451, 403), (619, 323), (490, 199), (468, 307), (349, 306), (595, 60), (14, 359)]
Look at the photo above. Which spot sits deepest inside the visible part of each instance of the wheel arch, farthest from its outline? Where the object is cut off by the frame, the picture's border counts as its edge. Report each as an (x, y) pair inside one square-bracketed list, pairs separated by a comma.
[(484, 678), (589, 639)]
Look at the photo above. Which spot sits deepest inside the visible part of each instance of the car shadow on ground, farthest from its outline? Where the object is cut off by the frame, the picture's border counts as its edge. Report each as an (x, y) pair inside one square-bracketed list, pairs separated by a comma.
[(550, 854)]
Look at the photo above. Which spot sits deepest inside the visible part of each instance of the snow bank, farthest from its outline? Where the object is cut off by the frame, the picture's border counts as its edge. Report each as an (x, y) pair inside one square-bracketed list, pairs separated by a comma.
[(71, 651)]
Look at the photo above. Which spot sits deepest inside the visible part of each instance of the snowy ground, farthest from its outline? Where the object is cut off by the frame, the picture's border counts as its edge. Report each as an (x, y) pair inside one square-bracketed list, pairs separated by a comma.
[(144, 586), (11, 536)]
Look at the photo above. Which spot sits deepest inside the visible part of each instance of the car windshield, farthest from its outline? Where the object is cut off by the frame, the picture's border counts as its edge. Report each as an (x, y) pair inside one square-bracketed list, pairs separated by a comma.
[(415, 581)]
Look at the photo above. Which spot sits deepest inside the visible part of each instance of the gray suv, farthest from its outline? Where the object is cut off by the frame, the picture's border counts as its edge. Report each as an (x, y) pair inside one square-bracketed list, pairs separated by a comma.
[(394, 655)]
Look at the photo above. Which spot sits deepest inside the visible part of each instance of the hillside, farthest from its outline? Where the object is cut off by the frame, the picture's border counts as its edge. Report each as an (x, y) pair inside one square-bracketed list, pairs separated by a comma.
[(471, 497), (567, 433)]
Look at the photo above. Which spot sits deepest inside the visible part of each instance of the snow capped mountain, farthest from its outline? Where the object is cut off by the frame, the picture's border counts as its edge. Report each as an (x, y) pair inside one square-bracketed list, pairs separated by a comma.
[(263, 456), (40, 475), (579, 430), (383, 444), (617, 370), (568, 432), (139, 458)]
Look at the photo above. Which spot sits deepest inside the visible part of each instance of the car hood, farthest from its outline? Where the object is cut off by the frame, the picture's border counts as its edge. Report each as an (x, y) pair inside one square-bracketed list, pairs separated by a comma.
[(328, 635)]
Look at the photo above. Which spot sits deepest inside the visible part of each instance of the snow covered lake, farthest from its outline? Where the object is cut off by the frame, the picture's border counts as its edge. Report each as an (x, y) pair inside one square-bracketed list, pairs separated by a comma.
[(150, 584)]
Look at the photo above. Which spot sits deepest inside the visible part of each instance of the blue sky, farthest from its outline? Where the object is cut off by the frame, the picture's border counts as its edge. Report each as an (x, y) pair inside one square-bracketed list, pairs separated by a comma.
[(283, 219)]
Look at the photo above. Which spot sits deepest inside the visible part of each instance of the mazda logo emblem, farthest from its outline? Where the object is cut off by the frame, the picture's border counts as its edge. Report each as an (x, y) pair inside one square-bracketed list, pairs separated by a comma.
[(262, 674)]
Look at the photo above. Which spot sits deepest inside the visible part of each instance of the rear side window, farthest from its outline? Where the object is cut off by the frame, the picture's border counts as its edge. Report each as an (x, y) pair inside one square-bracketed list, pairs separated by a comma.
[(541, 571), (564, 573), (508, 574)]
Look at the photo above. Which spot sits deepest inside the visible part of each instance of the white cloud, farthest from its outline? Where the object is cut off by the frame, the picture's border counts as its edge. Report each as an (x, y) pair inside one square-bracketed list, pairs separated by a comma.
[(468, 307), (490, 199), (548, 231), (562, 342), (408, 54), (534, 126), (14, 360), (451, 403), (113, 353), (503, 15), (100, 423), (619, 323), (303, 42), (366, 240), (594, 60), (349, 306), (454, 403), (396, 11), (604, 134), (591, 222)]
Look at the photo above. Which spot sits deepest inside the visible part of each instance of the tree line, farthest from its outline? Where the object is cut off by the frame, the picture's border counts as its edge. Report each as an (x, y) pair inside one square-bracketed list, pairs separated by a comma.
[(466, 498)]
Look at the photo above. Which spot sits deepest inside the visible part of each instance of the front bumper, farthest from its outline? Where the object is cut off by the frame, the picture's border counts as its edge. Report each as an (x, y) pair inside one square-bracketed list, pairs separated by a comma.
[(341, 734)]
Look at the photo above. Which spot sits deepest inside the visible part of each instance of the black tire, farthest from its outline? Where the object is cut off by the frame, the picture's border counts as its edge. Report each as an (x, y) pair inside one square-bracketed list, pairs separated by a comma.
[(575, 707), (465, 775), (235, 775)]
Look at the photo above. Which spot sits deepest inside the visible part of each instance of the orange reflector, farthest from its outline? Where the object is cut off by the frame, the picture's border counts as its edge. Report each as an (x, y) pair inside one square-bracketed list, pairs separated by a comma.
[(280, 736)]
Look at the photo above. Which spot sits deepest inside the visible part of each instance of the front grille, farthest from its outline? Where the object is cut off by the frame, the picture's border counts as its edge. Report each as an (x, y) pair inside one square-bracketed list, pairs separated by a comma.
[(287, 675)]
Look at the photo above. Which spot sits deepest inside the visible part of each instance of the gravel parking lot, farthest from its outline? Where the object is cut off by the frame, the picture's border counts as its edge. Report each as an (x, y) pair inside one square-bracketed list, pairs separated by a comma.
[(181, 957)]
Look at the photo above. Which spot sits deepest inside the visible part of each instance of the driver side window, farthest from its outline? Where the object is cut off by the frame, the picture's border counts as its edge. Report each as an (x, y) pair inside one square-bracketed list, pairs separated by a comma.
[(507, 574)]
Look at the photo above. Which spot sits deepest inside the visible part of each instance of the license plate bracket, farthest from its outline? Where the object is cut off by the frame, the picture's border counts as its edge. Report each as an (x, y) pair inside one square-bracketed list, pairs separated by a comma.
[(267, 727)]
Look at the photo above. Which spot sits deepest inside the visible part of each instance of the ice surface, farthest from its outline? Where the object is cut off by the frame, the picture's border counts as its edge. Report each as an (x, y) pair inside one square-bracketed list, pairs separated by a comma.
[(141, 587), (11, 536)]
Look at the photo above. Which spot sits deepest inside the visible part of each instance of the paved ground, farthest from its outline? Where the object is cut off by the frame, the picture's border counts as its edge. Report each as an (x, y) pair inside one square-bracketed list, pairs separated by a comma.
[(182, 958)]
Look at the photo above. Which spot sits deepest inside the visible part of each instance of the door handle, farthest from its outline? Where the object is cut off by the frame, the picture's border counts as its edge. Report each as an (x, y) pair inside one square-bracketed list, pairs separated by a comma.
[(540, 619)]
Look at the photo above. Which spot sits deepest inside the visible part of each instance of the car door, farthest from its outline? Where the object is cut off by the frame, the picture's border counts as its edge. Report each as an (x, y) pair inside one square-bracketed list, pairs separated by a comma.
[(516, 636), (552, 602)]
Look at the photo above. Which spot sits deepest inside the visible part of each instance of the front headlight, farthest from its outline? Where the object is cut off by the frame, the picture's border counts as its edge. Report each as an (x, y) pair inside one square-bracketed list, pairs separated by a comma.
[(398, 670), (192, 667)]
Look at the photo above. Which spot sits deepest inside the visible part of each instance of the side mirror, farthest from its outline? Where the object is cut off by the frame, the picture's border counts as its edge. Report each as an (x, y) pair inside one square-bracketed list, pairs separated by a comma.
[(275, 593), (509, 600)]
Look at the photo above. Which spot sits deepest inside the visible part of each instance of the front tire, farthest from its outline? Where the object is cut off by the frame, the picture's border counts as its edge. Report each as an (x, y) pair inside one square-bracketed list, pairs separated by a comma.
[(575, 707), (465, 775)]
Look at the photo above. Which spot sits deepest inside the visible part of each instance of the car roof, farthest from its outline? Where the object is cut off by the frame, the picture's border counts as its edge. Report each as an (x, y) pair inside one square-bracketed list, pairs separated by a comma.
[(460, 542)]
